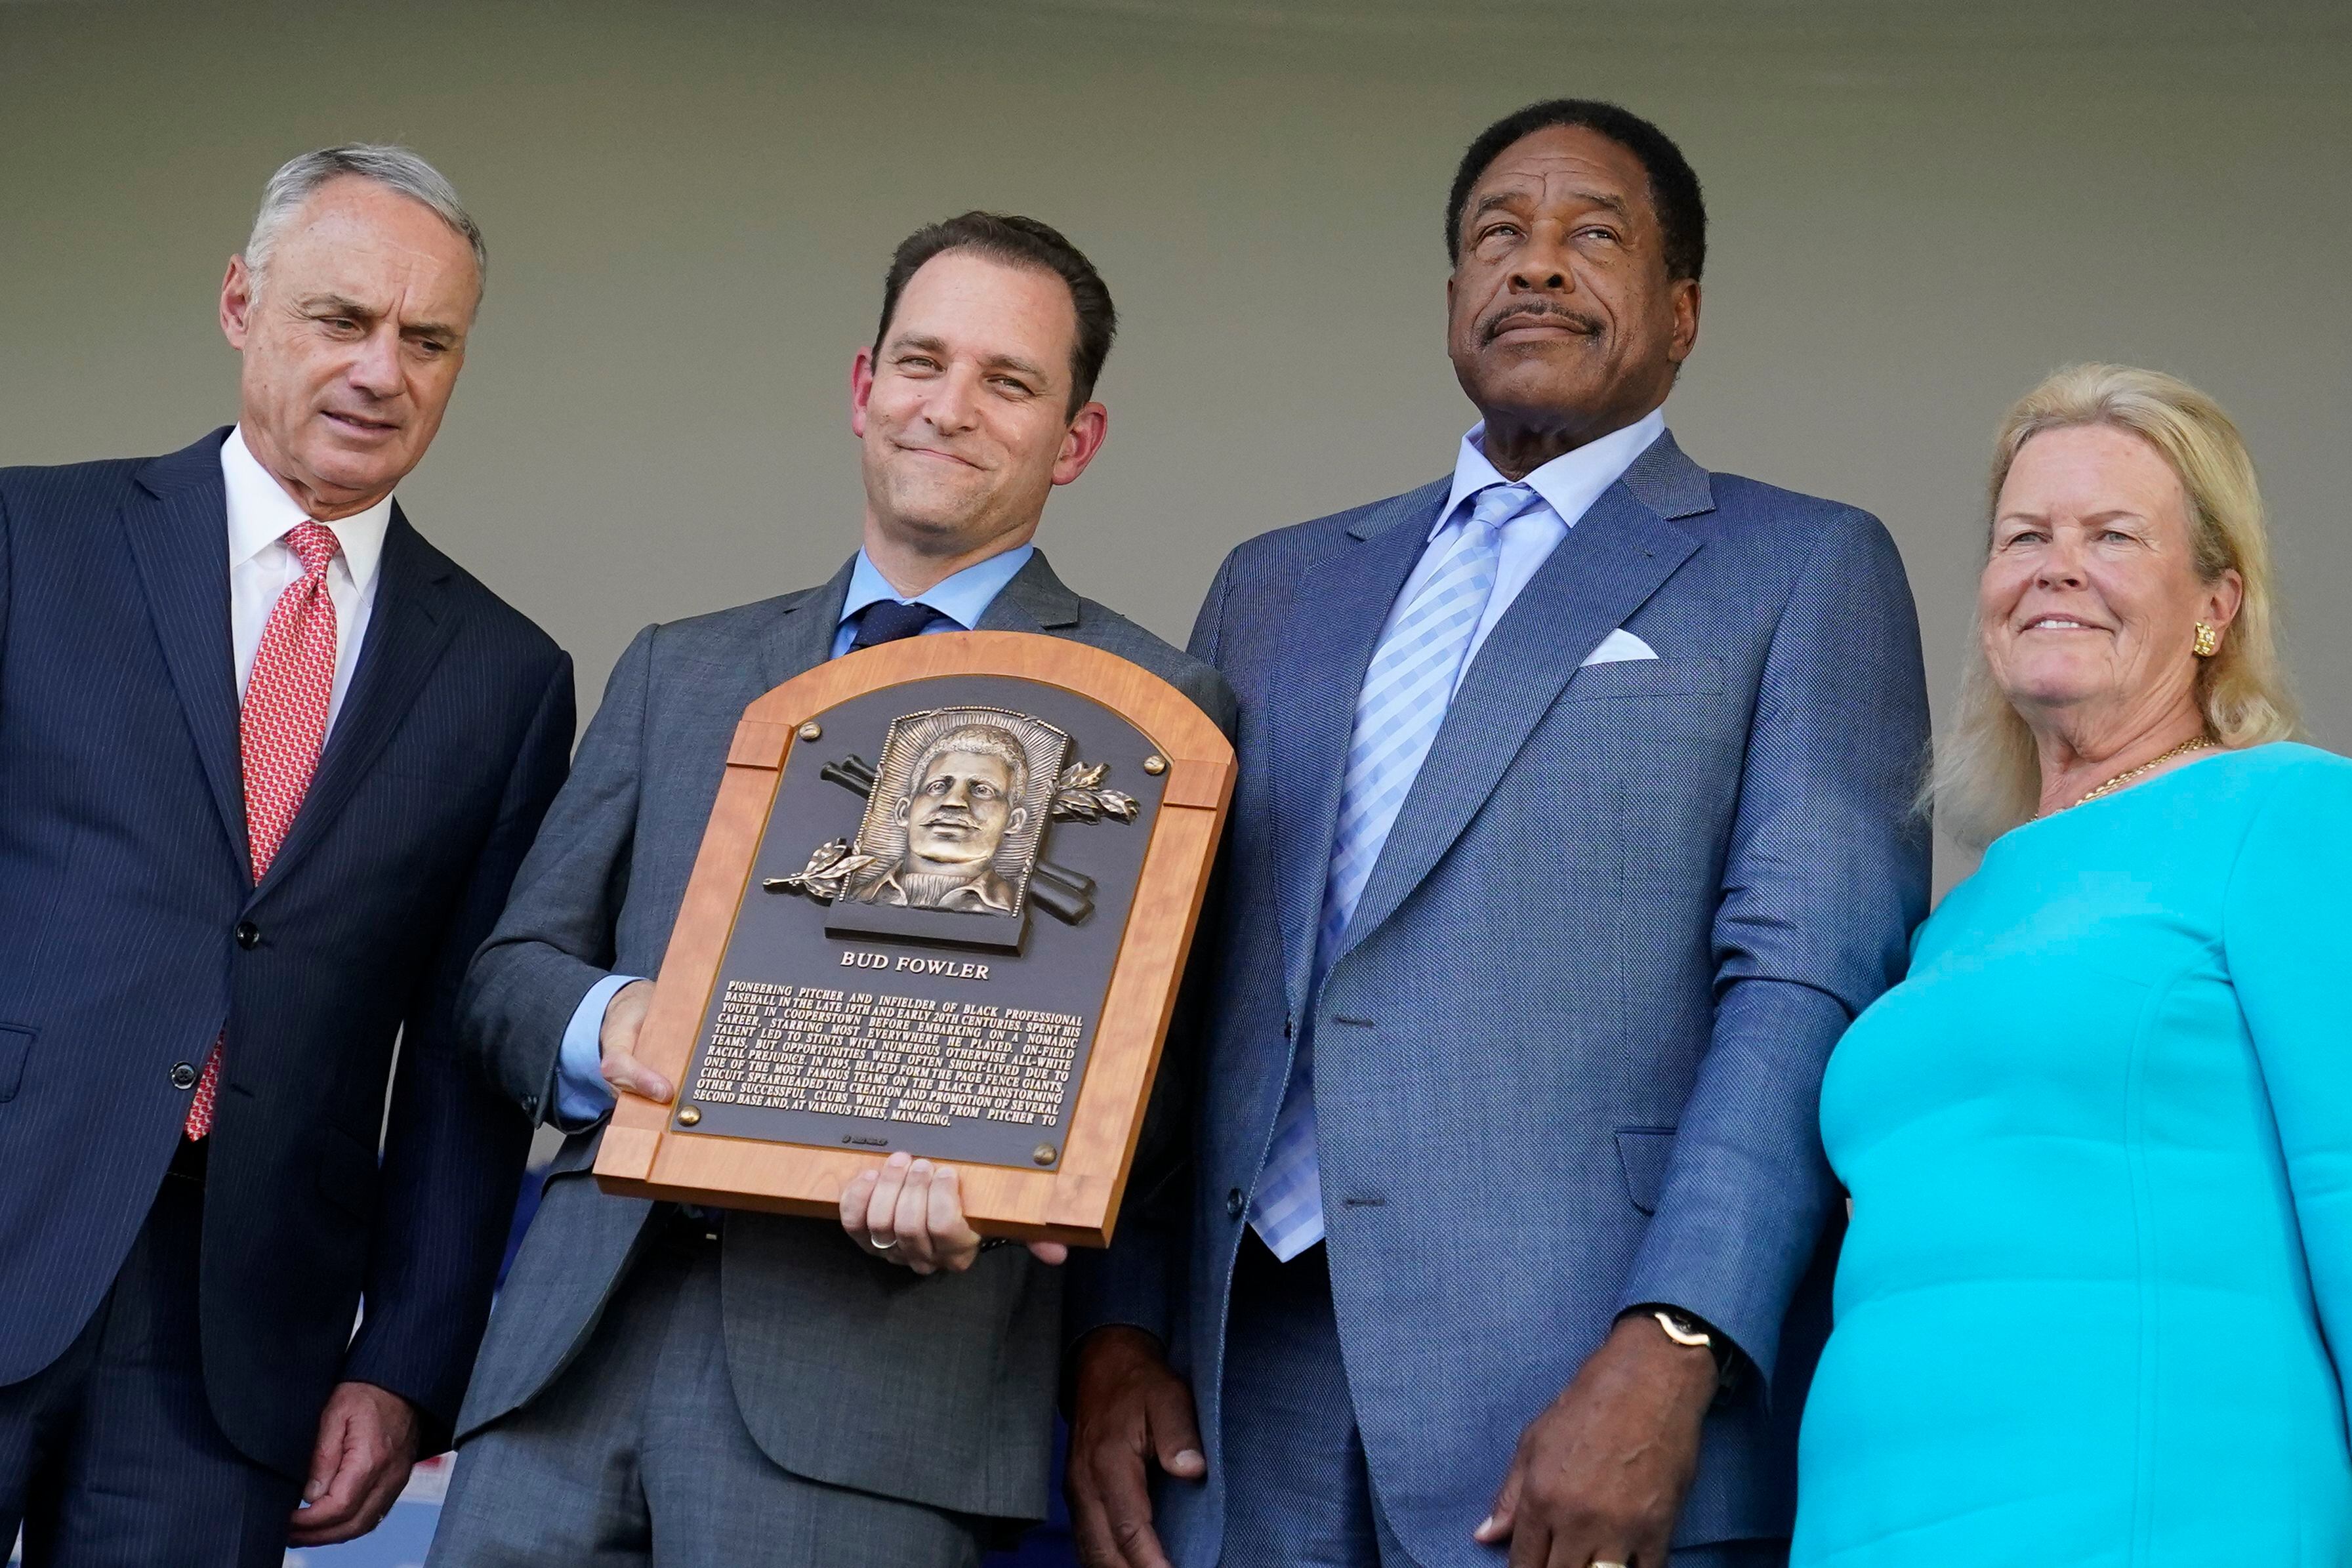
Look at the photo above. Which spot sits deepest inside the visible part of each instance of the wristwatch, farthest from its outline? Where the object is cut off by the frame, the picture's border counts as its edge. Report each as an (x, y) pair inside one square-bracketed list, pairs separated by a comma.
[(1685, 1329)]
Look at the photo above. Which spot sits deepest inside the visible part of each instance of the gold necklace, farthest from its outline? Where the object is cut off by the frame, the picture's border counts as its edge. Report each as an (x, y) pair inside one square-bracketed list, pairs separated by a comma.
[(2197, 744)]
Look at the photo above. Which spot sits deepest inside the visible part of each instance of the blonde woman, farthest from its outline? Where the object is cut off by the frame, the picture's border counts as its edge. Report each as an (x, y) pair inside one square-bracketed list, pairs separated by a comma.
[(2100, 1142)]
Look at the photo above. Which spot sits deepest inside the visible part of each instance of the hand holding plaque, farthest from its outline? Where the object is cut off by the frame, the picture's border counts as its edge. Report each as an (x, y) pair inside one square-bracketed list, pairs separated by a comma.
[(911, 1212), (965, 949)]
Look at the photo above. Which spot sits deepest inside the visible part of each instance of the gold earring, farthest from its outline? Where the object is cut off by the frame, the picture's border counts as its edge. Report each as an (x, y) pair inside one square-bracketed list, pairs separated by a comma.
[(2209, 641)]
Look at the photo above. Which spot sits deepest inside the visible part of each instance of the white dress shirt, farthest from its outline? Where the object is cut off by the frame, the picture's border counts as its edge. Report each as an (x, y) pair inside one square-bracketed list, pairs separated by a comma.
[(262, 565), (1569, 485)]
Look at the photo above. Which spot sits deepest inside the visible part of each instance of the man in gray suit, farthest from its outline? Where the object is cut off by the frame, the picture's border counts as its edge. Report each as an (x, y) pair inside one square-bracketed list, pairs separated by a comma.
[(672, 1385), (1567, 842)]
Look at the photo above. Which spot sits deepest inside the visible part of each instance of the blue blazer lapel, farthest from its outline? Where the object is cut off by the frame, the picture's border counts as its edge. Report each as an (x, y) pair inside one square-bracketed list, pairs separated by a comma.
[(179, 547), (1341, 602), (1611, 562), (407, 632)]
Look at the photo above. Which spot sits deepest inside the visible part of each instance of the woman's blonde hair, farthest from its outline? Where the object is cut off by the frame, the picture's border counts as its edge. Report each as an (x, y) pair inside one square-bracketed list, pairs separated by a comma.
[(1986, 778)]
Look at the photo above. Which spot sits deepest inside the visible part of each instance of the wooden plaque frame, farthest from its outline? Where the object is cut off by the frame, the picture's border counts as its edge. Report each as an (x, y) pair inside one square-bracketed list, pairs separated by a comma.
[(645, 1155)]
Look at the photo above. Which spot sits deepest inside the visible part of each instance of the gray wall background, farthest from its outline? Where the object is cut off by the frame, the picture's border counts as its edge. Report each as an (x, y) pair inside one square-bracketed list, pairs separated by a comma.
[(1917, 209)]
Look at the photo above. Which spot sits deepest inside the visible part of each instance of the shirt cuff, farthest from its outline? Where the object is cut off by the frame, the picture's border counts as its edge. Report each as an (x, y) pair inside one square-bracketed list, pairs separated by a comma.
[(582, 1095)]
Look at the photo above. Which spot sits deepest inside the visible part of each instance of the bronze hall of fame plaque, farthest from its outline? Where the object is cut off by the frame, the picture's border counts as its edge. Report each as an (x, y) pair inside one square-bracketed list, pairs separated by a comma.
[(943, 905)]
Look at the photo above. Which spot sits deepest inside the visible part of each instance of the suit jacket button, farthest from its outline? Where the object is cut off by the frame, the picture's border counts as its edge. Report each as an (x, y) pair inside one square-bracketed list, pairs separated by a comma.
[(530, 1104), (1234, 1203), (183, 1075), (248, 936)]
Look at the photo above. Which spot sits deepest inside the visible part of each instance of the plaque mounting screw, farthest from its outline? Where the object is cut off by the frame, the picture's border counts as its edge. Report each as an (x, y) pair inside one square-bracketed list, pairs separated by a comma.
[(1045, 1154), (812, 730), (688, 1116), (1155, 765)]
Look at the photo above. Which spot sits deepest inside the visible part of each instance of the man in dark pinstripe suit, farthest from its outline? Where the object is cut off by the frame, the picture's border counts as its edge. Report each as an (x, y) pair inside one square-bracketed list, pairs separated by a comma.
[(268, 762)]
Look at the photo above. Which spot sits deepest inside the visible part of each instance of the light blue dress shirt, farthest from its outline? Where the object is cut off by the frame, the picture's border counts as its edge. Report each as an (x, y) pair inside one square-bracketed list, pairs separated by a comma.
[(1568, 484), (963, 598), (582, 1095)]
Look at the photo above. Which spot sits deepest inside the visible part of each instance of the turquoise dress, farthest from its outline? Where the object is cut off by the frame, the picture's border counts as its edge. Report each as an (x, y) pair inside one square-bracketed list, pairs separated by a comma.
[(2100, 1150)]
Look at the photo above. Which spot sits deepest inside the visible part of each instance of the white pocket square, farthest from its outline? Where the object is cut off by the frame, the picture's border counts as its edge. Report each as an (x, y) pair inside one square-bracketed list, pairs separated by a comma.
[(1618, 646)]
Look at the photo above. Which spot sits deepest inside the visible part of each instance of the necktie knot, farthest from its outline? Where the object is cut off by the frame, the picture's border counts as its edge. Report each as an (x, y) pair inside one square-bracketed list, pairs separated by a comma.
[(1497, 504), (887, 620), (314, 543)]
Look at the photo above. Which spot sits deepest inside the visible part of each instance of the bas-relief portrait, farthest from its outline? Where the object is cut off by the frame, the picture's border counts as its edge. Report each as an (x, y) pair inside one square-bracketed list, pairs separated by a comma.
[(957, 809), (955, 821)]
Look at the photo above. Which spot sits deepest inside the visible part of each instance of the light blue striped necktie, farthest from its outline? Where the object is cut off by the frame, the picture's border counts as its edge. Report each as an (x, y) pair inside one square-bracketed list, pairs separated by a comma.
[(1405, 694)]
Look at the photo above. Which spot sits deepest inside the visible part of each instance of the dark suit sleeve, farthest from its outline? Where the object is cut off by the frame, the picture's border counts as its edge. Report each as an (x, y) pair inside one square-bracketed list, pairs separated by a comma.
[(556, 937), (7, 574), (1825, 874), (453, 1153), (1212, 694), (1134, 1281)]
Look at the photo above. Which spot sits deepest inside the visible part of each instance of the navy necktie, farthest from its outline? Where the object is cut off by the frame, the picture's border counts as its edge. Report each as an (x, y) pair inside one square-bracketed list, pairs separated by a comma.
[(887, 620)]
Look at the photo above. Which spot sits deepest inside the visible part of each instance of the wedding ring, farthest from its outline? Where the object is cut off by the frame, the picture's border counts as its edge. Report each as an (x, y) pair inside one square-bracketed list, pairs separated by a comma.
[(1603, 1562), (881, 1246)]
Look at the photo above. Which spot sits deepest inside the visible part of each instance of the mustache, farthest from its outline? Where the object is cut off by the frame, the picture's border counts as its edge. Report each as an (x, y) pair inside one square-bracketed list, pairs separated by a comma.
[(1501, 320)]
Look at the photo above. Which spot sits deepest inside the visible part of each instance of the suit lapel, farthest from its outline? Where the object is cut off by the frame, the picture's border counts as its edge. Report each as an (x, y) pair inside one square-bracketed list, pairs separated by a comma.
[(1611, 561), (407, 632), (1342, 601), (801, 637), (1033, 601), (179, 546)]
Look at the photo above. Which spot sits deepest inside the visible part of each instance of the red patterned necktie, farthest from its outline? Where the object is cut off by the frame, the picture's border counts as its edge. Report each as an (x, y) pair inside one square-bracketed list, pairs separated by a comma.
[(280, 731)]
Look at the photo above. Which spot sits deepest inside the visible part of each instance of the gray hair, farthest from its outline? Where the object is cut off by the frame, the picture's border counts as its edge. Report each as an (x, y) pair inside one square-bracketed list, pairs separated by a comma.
[(395, 168)]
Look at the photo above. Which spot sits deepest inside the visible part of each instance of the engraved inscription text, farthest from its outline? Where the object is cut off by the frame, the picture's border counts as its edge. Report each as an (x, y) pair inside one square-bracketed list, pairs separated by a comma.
[(891, 1059)]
